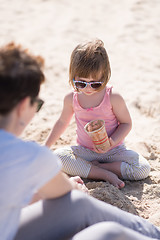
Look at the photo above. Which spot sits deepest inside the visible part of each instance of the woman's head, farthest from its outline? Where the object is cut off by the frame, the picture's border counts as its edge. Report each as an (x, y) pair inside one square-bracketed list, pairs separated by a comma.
[(20, 76), (90, 60)]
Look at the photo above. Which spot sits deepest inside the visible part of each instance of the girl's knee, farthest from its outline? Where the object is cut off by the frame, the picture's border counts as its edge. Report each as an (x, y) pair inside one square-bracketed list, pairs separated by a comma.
[(135, 172), (71, 164), (142, 171), (63, 151)]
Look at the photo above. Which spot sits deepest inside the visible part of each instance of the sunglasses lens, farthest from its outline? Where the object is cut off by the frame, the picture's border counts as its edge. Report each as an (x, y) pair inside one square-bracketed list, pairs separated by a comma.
[(80, 84), (40, 103), (96, 85)]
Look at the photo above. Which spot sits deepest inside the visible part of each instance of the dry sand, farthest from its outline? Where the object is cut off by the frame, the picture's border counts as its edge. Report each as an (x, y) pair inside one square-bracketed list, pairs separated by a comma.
[(131, 33)]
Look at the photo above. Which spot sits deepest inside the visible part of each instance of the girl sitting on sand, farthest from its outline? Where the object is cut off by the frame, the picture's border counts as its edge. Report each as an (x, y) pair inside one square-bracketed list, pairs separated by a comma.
[(92, 99)]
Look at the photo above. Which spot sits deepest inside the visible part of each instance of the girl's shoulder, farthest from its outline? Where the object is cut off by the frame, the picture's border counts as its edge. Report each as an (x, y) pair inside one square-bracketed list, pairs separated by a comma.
[(69, 95), (68, 99), (115, 97)]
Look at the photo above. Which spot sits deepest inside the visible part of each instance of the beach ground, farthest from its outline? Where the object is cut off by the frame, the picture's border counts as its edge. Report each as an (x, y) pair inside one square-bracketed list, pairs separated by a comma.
[(131, 34)]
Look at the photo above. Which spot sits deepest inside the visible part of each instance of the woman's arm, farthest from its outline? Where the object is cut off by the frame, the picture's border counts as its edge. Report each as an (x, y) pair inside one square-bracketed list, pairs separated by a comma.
[(122, 114), (59, 186), (63, 121)]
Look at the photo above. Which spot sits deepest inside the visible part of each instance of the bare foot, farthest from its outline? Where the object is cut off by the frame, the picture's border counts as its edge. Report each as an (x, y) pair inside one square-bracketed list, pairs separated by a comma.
[(114, 180), (100, 173)]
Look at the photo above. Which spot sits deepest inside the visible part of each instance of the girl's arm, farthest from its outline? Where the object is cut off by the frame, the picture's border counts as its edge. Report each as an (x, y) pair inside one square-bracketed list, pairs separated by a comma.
[(63, 121), (122, 114)]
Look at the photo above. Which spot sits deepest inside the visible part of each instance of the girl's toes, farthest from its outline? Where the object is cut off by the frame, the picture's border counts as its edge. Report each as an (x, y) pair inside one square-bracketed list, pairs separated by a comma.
[(121, 185)]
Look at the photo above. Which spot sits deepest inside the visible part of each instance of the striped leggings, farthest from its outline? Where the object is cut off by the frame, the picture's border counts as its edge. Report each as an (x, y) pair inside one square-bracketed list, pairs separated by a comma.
[(77, 160)]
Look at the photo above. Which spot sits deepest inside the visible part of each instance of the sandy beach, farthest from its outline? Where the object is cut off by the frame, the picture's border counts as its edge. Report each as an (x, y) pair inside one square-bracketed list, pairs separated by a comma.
[(130, 31)]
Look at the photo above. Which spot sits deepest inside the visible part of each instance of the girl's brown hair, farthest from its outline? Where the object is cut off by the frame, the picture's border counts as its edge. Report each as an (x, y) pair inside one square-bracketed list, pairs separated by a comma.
[(90, 59)]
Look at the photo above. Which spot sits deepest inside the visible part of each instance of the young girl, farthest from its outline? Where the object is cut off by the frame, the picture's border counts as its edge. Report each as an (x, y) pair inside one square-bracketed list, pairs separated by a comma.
[(93, 99)]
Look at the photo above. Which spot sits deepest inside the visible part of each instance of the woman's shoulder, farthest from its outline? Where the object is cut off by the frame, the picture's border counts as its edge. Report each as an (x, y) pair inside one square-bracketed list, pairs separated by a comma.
[(18, 150), (30, 149), (34, 149), (40, 155)]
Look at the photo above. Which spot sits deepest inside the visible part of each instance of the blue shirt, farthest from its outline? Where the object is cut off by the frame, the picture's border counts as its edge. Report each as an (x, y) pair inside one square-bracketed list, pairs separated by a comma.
[(24, 168)]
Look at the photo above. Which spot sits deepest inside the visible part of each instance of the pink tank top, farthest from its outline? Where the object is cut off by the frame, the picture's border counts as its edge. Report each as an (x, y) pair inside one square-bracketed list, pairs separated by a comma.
[(83, 116)]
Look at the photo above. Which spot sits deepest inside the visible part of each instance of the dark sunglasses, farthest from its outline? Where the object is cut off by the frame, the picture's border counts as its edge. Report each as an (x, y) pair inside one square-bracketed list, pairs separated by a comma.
[(81, 84), (39, 102)]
